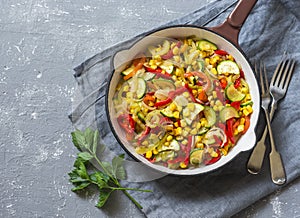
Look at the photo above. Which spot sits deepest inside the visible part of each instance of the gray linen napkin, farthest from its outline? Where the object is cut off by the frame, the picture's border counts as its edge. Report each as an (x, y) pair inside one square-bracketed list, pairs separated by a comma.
[(272, 28)]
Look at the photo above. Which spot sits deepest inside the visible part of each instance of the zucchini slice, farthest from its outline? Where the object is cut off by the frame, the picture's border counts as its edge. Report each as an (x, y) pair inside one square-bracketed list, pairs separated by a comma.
[(233, 94), (128, 70), (148, 76), (205, 45), (163, 84), (228, 66), (142, 88), (210, 116), (196, 156), (228, 112)]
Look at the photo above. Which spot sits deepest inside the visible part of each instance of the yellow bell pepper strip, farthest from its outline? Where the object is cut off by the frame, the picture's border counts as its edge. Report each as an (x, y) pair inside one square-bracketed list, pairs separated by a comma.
[(137, 67)]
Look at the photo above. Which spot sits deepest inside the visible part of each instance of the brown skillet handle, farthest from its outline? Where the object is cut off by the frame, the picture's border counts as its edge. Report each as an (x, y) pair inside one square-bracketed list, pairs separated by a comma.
[(230, 28)]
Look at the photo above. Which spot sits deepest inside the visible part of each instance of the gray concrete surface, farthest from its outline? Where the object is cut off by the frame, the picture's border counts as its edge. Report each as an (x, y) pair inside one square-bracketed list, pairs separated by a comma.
[(41, 41)]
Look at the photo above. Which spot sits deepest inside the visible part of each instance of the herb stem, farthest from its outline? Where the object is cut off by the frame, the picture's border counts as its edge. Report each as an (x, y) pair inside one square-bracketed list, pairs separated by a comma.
[(115, 180)]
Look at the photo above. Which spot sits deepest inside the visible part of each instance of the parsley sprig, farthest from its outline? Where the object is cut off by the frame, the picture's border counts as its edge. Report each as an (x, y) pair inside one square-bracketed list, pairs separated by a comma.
[(84, 174)]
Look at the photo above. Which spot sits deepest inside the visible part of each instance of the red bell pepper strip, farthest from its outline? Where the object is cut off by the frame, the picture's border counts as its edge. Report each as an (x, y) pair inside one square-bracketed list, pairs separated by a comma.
[(163, 102), (223, 83), (236, 104), (237, 82), (242, 74), (220, 95), (188, 150), (247, 124), (221, 52), (151, 70), (128, 124), (214, 159), (168, 55), (190, 92), (229, 130), (144, 135), (179, 91)]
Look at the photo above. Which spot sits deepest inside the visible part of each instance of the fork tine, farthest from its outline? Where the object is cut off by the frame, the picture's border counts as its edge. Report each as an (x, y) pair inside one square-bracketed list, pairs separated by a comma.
[(266, 78), (287, 74), (261, 79), (278, 71)]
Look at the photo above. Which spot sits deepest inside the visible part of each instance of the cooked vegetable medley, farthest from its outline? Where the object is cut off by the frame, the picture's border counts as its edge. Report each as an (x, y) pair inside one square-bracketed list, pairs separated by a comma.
[(183, 103)]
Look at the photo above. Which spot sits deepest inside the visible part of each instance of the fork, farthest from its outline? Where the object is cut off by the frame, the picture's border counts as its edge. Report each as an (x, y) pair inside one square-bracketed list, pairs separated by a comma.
[(277, 169), (278, 88)]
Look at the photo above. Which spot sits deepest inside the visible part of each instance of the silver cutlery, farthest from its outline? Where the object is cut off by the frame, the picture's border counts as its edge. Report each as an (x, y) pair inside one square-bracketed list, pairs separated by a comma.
[(278, 88)]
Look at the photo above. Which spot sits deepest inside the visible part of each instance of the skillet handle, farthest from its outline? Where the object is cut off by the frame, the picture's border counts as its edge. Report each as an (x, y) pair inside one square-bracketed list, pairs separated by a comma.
[(230, 28)]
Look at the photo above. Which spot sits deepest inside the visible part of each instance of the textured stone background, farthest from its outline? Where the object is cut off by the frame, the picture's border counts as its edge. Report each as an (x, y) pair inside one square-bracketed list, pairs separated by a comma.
[(41, 41)]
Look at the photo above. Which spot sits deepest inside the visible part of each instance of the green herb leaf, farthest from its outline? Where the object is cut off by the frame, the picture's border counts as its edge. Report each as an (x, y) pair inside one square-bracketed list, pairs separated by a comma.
[(89, 138), (104, 195), (100, 179), (81, 171), (95, 141), (75, 178), (81, 186), (117, 166), (78, 139), (86, 156), (108, 167)]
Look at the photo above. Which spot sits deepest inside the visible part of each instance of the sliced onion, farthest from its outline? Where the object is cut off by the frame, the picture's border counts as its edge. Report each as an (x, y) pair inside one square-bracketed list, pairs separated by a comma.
[(161, 94), (215, 131), (148, 107)]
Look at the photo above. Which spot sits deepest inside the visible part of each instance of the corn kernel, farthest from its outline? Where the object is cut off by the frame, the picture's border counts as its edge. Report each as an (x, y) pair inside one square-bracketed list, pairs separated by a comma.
[(174, 77), (175, 50), (176, 114), (145, 143), (207, 60), (193, 131), (151, 103), (224, 152), (214, 71), (178, 131), (183, 123), (184, 142), (185, 133), (236, 132), (214, 154), (183, 48), (182, 165), (198, 125), (194, 92), (176, 124), (167, 143), (154, 151), (245, 112), (179, 138), (249, 109), (215, 107), (241, 128), (177, 58), (126, 88), (214, 94), (148, 154), (198, 138), (229, 57), (186, 94), (172, 106), (199, 145), (242, 121), (188, 129), (169, 138)]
